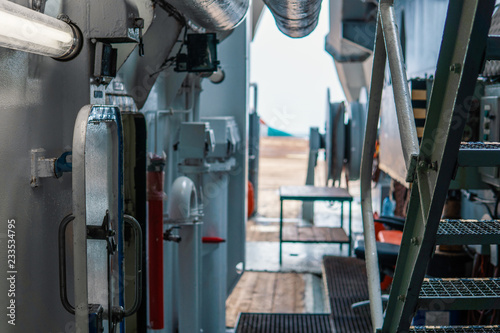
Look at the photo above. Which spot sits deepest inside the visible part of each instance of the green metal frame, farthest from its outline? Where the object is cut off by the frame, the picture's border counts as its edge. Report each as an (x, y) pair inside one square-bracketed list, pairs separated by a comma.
[(460, 60), (312, 199)]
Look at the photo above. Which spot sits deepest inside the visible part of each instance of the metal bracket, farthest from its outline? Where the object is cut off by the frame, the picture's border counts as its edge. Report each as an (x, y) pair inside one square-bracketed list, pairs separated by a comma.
[(38, 5), (42, 167), (412, 169), (169, 236), (103, 232)]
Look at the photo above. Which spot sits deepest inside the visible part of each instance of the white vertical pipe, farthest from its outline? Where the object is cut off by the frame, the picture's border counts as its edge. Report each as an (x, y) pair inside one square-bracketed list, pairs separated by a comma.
[(214, 262), (372, 268), (182, 203), (190, 278)]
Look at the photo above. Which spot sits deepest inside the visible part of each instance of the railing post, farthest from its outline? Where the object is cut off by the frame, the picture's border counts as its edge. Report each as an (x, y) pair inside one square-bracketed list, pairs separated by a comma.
[(372, 268), (402, 96)]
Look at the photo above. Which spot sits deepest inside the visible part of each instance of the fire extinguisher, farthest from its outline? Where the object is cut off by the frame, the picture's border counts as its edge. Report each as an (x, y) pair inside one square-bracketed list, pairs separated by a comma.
[(155, 235)]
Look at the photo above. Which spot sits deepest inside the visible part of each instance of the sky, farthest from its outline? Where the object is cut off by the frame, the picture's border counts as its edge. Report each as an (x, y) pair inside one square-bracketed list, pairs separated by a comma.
[(293, 75)]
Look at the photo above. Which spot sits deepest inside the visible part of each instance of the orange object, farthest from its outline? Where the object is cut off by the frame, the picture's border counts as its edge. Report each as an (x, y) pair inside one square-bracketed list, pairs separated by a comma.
[(379, 227), (386, 283), (251, 199), (390, 236)]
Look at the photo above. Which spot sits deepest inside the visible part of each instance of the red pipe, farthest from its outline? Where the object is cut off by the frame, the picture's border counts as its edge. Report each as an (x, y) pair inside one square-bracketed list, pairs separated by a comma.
[(155, 236)]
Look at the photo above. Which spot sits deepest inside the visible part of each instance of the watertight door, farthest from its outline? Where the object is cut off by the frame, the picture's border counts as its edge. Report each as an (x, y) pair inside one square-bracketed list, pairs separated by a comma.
[(98, 212)]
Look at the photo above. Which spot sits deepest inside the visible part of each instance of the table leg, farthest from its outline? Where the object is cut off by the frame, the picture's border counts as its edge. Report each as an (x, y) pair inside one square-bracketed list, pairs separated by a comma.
[(341, 220), (281, 228), (341, 214), (350, 228)]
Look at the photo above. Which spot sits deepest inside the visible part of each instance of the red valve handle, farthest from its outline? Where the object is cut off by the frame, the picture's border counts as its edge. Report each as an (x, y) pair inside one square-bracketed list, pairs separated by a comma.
[(212, 240)]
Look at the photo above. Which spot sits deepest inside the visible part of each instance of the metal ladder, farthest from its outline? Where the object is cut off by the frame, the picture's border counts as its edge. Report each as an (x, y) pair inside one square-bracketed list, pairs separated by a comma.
[(430, 169)]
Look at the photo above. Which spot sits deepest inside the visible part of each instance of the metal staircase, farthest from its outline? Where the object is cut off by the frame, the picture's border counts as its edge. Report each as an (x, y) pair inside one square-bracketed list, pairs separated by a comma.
[(430, 170)]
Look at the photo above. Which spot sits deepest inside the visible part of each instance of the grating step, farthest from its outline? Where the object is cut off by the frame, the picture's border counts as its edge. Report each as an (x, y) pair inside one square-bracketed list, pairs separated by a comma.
[(283, 322), (460, 294), (468, 232), (455, 329), (478, 154)]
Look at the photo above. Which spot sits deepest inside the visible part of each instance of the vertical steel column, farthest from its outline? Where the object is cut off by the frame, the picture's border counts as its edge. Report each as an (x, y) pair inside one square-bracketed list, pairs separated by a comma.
[(190, 275), (155, 178), (372, 269)]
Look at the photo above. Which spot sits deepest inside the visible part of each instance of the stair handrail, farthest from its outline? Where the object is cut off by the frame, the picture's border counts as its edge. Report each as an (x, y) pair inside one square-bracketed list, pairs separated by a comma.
[(387, 47)]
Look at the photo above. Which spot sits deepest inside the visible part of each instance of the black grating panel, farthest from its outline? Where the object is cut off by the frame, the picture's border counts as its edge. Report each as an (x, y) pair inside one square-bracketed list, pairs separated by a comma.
[(456, 329), (347, 284), (462, 232), (432, 288), (283, 323), (469, 227), (480, 145)]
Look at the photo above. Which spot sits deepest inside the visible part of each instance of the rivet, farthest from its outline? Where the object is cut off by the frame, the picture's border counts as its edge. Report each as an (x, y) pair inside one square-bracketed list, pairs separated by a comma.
[(455, 68)]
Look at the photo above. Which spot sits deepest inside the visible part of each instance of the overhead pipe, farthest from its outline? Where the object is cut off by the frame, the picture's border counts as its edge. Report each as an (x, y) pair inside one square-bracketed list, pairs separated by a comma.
[(183, 209), (24, 29), (214, 16), (295, 18)]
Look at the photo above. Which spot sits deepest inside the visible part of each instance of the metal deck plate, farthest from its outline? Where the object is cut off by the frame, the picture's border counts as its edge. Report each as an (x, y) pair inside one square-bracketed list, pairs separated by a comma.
[(283, 322), (347, 284), (479, 154), (468, 232), (456, 329), (460, 294)]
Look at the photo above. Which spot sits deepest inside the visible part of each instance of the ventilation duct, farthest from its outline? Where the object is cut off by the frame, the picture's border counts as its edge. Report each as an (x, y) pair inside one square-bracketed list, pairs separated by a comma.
[(295, 18), (214, 16)]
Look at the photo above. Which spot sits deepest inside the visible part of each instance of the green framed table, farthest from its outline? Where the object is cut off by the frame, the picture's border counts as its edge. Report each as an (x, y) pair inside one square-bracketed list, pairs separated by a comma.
[(336, 235)]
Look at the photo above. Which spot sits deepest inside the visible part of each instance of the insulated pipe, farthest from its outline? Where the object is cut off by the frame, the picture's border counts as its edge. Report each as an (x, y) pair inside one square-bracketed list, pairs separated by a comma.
[(27, 30), (183, 202), (220, 15), (155, 178), (371, 258), (406, 119), (295, 18), (190, 278), (214, 260)]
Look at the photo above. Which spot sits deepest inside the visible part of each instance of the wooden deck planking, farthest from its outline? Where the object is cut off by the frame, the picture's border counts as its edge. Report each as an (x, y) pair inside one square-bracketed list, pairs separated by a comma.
[(339, 235), (262, 298), (266, 292), (269, 232), (262, 232), (299, 294), (322, 234), (306, 234), (282, 302), (241, 297), (290, 231)]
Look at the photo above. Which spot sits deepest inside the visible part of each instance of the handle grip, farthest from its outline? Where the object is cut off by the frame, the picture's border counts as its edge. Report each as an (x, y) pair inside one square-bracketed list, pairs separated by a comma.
[(62, 263), (138, 262)]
